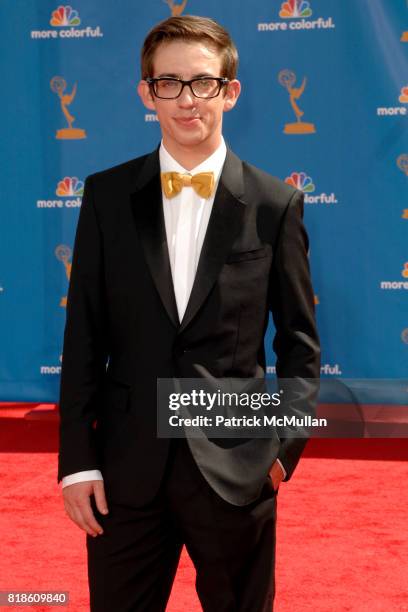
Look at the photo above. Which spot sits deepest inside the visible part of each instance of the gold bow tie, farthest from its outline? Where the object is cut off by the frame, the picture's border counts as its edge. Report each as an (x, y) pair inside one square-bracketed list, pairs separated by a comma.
[(173, 183)]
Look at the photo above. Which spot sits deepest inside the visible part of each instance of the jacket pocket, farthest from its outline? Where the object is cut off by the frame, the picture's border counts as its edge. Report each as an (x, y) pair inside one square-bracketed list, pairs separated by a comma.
[(116, 396)]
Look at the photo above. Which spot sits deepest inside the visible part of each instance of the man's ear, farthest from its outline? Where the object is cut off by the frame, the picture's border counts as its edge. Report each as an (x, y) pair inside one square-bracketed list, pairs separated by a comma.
[(233, 90), (144, 92)]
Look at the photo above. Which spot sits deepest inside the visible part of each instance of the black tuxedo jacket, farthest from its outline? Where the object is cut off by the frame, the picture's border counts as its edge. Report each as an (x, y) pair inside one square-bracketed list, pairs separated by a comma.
[(122, 330)]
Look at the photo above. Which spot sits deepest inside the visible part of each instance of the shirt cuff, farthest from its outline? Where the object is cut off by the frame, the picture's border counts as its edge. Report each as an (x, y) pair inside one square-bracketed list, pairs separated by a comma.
[(283, 469), (81, 477)]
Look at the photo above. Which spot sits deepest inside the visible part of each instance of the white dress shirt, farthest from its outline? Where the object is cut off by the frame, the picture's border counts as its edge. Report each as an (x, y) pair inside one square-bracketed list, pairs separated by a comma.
[(186, 218)]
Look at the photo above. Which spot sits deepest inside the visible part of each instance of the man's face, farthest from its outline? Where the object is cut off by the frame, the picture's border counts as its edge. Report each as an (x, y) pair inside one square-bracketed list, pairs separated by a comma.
[(188, 122)]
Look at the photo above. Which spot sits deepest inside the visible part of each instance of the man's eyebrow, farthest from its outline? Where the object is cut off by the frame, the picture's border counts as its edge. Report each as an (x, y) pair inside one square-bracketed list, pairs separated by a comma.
[(204, 74), (171, 75)]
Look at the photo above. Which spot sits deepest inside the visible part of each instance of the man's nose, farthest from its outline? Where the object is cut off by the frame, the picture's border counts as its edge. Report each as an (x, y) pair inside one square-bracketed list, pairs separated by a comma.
[(186, 97)]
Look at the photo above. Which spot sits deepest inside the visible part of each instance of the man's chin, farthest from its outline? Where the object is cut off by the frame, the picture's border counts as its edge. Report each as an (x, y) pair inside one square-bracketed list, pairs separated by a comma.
[(190, 139)]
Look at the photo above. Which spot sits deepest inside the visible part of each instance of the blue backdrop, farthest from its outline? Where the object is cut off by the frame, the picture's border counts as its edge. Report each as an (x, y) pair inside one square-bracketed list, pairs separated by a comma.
[(70, 108)]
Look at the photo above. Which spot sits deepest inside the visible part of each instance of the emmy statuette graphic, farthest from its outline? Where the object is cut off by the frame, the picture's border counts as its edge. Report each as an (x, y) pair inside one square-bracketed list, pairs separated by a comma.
[(176, 9), (63, 253), (58, 85), (402, 163), (404, 35), (287, 79)]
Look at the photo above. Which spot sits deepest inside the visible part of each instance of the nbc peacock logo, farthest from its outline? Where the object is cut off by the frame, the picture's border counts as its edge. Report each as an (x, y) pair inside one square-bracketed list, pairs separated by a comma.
[(295, 15), (69, 191), (403, 97), (303, 182), (65, 21), (295, 8), (70, 186), (65, 16)]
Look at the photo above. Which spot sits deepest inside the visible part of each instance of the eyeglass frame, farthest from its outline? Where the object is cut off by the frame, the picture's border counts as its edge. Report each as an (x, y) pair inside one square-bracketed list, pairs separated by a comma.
[(222, 81)]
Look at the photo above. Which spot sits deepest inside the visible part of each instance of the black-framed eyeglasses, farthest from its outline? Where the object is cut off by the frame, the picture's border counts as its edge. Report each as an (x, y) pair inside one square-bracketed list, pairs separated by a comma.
[(171, 88)]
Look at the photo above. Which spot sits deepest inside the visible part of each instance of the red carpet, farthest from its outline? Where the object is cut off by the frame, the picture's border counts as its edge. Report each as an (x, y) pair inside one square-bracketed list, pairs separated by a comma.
[(342, 529)]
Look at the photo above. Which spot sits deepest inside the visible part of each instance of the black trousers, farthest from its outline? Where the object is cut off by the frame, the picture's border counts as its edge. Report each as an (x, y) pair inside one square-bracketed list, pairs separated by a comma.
[(131, 567)]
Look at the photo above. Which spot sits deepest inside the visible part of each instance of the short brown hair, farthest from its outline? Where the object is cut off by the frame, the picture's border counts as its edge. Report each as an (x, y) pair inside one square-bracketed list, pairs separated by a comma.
[(190, 28)]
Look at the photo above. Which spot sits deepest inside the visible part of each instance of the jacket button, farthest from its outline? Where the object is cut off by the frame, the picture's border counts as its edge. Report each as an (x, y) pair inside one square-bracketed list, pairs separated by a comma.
[(179, 351)]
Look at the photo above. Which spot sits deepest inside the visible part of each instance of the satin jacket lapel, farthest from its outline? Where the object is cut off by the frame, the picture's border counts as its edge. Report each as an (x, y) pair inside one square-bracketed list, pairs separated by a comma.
[(223, 227), (146, 199)]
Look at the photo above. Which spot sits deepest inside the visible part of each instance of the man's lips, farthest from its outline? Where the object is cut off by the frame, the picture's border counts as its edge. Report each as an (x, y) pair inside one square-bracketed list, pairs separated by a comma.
[(187, 120)]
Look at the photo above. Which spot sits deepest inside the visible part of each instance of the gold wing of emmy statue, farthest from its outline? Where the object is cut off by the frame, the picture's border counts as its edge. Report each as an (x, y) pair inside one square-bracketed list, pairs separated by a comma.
[(295, 94)]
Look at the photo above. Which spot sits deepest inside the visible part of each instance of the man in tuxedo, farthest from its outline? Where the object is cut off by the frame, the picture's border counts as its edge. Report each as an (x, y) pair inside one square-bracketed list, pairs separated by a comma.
[(179, 257)]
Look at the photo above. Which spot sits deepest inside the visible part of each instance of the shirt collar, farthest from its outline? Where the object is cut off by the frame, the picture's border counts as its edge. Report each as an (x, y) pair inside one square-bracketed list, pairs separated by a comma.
[(214, 163)]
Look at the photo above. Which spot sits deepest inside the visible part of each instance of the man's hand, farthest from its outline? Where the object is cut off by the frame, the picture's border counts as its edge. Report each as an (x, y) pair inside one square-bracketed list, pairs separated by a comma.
[(78, 506), (276, 474)]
